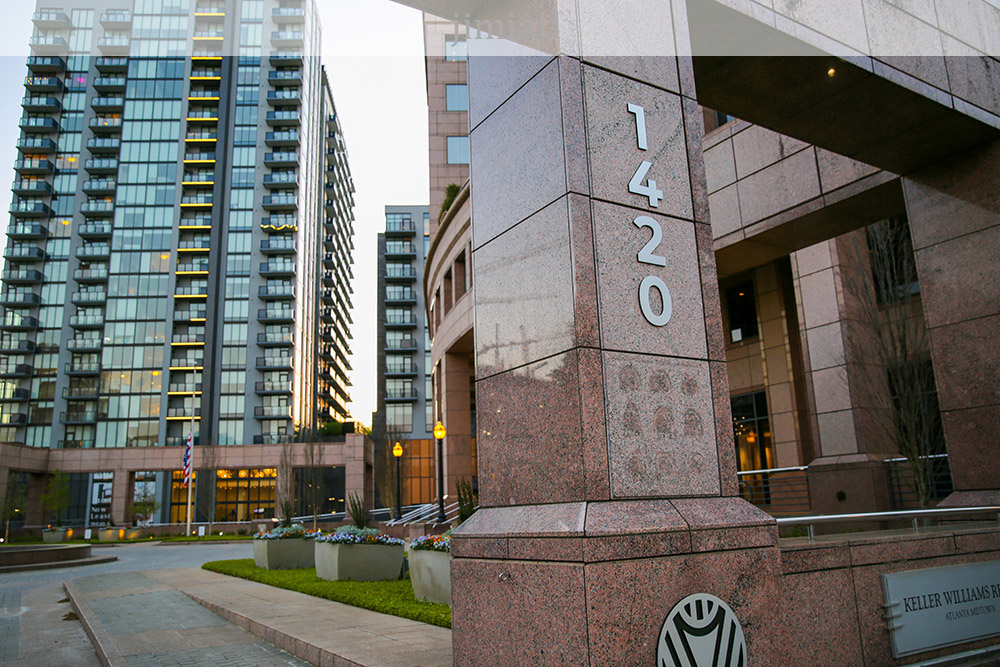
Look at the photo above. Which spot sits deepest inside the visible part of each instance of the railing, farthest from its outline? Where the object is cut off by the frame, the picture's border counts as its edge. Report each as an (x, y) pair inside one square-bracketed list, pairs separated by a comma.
[(778, 491), (916, 517), (902, 481), (426, 513)]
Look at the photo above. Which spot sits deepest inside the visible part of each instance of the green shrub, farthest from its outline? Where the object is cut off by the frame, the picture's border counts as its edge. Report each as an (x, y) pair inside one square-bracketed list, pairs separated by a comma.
[(387, 597), (356, 508)]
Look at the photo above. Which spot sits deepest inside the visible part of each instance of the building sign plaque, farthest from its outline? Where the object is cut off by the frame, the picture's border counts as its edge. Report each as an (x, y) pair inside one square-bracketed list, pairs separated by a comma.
[(941, 606)]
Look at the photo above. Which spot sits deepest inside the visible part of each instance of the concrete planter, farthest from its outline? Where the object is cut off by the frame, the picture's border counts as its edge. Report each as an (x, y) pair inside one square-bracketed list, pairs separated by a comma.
[(111, 534), (283, 554), (430, 572), (53, 536), (358, 562), (134, 533)]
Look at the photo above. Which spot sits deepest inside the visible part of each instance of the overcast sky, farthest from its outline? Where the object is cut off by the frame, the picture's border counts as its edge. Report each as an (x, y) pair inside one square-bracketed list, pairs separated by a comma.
[(373, 52)]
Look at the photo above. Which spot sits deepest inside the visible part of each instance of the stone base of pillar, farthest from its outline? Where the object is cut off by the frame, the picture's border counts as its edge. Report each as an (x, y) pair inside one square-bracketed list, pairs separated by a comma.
[(591, 583), (848, 484), (981, 498)]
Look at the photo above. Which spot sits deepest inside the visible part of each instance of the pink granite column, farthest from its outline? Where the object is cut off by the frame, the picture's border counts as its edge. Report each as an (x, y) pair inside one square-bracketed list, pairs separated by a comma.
[(606, 459), (122, 487), (954, 214), (456, 371)]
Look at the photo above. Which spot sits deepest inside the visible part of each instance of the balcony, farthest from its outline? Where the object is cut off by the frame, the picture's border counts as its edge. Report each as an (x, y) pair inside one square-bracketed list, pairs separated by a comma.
[(285, 77), (401, 369), (43, 84), (48, 44), (76, 444), (12, 370), (407, 344), (282, 118), (105, 125), (83, 368), (100, 186), (274, 363), (16, 346), (189, 314), (94, 275), (30, 209), (203, 157), (13, 419), (51, 18), (277, 269), (94, 251), (92, 297), (38, 124), (275, 315), (41, 104), (184, 388), (94, 230), (209, 35), (108, 103), (282, 159), (201, 136), (192, 268), (104, 145), (46, 64), (276, 292), (284, 97), (200, 244), (109, 84), (401, 297), (113, 65), (397, 249), (194, 201), (116, 19), (283, 138), (101, 165), (89, 344), (278, 246), (279, 223), (22, 276), (209, 115), (97, 209), (187, 339), (276, 338), (273, 412), (22, 253), (15, 395), (34, 145), (114, 45), (280, 203), (81, 393), (78, 417), (400, 227), (270, 388), (281, 179), (27, 230), (198, 291), (33, 166), (32, 187), (288, 14), (17, 322), (86, 321), (201, 96), (285, 58)]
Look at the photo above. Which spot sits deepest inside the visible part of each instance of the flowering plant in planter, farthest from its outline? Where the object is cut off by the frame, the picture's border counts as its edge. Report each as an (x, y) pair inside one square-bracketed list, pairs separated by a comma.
[(295, 531), (431, 543), (430, 567), (285, 547), (358, 554)]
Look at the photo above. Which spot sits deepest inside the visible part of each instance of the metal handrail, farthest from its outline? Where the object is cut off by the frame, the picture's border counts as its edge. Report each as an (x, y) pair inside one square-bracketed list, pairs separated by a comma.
[(772, 470), (913, 515)]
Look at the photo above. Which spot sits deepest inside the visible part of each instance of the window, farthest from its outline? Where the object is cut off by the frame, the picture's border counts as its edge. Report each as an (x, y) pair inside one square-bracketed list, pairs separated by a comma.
[(742, 310), (456, 49), (753, 445), (457, 97), (894, 268), (458, 150), (399, 418)]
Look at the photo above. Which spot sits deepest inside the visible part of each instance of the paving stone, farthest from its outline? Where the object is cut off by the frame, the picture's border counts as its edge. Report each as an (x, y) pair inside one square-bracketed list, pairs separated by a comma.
[(243, 655)]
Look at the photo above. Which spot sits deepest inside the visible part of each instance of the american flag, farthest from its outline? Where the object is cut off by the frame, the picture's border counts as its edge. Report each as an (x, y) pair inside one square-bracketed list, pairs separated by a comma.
[(188, 455)]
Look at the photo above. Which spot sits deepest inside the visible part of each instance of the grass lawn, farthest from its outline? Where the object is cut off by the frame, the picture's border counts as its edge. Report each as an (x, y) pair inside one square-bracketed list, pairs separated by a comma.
[(388, 597)]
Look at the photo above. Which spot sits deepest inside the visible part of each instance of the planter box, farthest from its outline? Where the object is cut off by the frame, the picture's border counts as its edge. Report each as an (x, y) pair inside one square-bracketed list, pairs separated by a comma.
[(134, 533), (283, 554), (53, 536), (111, 534), (358, 562), (430, 572)]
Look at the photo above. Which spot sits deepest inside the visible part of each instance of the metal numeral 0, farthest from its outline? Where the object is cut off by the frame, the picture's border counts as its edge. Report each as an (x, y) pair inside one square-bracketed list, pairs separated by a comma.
[(647, 285)]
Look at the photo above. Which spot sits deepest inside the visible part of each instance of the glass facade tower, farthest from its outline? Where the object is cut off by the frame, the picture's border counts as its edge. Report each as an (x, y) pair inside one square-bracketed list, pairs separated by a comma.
[(179, 251)]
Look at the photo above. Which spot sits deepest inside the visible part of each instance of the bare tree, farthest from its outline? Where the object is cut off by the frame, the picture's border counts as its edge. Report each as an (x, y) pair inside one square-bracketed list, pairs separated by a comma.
[(314, 477), (284, 486), (886, 328), (385, 466)]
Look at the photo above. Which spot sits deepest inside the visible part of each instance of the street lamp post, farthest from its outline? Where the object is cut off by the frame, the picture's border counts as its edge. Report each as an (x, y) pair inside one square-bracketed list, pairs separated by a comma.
[(397, 451), (439, 434)]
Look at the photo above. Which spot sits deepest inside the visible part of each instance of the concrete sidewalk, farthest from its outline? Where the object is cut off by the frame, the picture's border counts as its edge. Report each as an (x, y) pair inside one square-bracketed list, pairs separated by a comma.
[(129, 617)]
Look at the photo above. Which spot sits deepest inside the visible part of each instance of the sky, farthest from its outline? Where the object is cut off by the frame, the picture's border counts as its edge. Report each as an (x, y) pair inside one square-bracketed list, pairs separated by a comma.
[(373, 52)]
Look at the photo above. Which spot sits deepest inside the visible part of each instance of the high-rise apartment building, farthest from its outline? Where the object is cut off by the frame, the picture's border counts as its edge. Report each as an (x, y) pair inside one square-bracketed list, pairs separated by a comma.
[(179, 252), (405, 411)]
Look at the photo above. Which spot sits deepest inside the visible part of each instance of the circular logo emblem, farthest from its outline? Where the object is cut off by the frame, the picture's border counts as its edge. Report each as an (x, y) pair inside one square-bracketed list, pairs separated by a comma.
[(701, 631)]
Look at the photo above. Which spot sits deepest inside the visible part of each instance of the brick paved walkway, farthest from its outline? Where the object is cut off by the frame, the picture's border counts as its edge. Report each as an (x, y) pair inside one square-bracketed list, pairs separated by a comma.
[(10, 625), (137, 620)]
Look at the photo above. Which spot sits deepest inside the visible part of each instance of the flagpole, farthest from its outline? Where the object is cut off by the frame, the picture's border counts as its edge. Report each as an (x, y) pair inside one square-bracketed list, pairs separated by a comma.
[(190, 477)]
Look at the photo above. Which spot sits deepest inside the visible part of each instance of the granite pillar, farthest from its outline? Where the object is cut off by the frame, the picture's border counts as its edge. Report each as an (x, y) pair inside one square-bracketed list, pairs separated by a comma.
[(606, 459), (954, 216), (456, 371), (122, 486)]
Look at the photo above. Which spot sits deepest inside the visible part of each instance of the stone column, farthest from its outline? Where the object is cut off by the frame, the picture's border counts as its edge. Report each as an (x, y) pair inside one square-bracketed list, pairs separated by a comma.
[(122, 486), (456, 372), (36, 514), (954, 219), (606, 458)]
